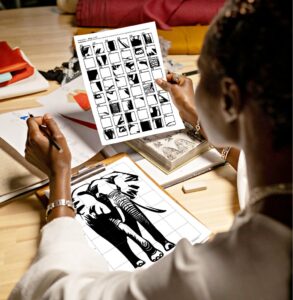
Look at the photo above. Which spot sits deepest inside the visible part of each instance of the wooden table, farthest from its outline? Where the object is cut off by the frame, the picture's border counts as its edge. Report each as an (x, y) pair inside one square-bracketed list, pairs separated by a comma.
[(45, 37)]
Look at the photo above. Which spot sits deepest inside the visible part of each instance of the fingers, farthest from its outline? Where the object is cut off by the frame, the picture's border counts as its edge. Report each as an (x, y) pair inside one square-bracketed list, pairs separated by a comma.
[(166, 86), (52, 127), (173, 79), (34, 132)]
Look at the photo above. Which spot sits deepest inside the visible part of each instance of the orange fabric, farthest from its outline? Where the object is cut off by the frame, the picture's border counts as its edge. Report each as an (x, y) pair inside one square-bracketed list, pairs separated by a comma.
[(184, 40), (13, 62)]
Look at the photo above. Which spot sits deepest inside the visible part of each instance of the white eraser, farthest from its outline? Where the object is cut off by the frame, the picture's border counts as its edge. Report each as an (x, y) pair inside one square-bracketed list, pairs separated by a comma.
[(190, 187)]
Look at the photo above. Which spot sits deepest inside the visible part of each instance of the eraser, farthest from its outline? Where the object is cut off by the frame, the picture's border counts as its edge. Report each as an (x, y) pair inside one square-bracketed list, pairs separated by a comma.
[(190, 187)]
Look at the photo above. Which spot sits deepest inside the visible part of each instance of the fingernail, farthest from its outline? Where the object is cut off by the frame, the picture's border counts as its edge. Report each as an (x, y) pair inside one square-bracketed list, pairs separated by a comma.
[(159, 81), (47, 116)]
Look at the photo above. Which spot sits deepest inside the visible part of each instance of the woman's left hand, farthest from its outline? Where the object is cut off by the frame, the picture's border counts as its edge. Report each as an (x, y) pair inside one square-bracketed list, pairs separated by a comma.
[(182, 93)]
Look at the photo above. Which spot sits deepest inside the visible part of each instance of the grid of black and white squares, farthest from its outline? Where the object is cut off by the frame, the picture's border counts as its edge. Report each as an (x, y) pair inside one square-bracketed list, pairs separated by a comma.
[(121, 71)]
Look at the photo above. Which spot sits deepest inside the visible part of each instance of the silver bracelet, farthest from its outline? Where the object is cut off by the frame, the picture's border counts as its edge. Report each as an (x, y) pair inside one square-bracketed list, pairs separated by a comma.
[(225, 152), (57, 203)]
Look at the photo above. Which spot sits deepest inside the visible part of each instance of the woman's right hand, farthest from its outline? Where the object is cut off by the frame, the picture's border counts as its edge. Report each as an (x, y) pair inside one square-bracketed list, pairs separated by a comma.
[(41, 153), (182, 93)]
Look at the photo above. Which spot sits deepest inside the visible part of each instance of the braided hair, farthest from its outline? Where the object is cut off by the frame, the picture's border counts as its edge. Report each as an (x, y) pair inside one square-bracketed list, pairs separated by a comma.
[(251, 42)]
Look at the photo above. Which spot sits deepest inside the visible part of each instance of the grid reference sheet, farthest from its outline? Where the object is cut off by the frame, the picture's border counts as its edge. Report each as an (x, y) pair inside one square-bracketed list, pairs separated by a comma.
[(129, 220), (119, 68)]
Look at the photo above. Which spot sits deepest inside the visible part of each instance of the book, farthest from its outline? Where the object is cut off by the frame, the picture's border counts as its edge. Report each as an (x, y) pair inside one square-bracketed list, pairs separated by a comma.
[(169, 151), (201, 164)]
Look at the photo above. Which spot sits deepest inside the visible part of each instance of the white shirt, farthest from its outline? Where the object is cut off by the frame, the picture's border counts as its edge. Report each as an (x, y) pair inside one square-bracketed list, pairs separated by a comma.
[(251, 261)]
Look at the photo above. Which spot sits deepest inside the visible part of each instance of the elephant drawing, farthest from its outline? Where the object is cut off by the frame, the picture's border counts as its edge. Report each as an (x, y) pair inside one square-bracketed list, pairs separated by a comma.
[(107, 205)]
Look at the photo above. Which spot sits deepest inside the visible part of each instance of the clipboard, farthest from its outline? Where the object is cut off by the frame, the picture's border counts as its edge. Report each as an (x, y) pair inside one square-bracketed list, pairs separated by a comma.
[(148, 213)]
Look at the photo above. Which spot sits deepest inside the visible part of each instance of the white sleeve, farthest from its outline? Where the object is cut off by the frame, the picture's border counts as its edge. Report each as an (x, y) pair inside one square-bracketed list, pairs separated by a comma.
[(67, 268)]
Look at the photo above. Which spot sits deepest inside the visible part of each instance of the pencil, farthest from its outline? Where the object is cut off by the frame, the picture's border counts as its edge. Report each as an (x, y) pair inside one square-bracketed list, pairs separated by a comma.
[(43, 128), (194, 72)]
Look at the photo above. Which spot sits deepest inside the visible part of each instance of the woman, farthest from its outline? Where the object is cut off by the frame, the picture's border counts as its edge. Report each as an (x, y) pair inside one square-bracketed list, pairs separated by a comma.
[(244, 99)]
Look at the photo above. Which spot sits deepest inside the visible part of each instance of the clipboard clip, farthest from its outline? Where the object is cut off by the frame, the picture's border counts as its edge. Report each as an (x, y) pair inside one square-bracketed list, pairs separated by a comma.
[(86, 172)]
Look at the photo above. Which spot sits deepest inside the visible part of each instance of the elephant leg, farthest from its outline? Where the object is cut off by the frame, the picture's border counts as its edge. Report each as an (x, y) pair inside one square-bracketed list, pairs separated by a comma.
[(153, 253), (127, 252), (108, 229), (126, 205)]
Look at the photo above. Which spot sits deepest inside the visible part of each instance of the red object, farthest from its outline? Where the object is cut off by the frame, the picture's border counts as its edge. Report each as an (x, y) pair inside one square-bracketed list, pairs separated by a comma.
[(81, 122), (166, 13), (83, 101), (12, 61)]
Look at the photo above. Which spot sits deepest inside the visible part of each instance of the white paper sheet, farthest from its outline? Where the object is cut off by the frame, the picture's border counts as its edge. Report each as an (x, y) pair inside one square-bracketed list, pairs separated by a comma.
[(122, 211), (119, 69), (83, 141)]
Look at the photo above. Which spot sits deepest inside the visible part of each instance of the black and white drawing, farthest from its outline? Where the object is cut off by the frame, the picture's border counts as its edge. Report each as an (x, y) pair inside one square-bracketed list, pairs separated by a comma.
[(151, 50), (154, 61), (99, 98), (108, 84), (148, 38), (103, 110), (163, 97), (130, 117), (111, 45), (111, 96), (106, 122), (142, 64), (108, 206), (158, 123), (123, 43), (86, 51), (123, 65), (122, 131), (121, 81), (118, 120), (96, 87), (115, 108), (99, 48), (109, 133), (149, 88), (130, 66), (133, 78), (117, 69), (145, 125), (138, 52), (139, 102), (155, 111), (93, 75), (135, 40), (124, 93), (169, 120), (102, 60), (126, 55), (127, 105)]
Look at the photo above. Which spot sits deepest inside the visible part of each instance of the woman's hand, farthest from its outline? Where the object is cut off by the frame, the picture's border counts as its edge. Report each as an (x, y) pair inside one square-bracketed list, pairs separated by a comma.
[(182, 93), (41, 153)]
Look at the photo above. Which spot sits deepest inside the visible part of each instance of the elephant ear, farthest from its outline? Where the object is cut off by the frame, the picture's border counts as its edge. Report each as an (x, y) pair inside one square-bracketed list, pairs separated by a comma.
[(127, 183)]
